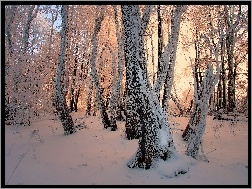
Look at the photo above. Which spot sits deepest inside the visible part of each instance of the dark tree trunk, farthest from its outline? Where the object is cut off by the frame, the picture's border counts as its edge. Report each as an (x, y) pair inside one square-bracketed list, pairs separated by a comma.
[(197, 59), (189, 128), (219, 95), (230, 44), (223, 75), (160, 43), (176, 101), (231, 86), (74, 89), (61, 106), (89, 100)]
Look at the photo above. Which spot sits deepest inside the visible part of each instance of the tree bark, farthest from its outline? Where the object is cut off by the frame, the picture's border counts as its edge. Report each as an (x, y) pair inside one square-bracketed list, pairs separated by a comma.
[(101, 104), (61, 105), (223, 75), (198, 119), (167, 74), (118, 89), (160, 43), (230, 43), (89, 99), (155, 141), (132, 118)]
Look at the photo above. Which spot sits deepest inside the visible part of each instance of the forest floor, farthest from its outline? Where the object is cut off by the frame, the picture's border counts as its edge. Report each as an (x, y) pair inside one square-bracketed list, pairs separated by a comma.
[(40, 154)]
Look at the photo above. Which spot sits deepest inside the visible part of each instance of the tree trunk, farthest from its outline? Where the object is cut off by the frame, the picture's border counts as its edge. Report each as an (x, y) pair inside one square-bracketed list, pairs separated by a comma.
[(118, 88), (219, 95), (223, 75), (152, 59), (89, 99), (197, 122), (132, 118), (168, 58), (230, 44), (101, 104), (160, 43), (176, 101), (231, 86), (155, 141), (114, 93), (61, 106)]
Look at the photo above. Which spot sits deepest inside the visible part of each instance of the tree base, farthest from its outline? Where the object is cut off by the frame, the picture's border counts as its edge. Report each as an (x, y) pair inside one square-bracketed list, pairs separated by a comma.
[(69, 132), (187, 133)]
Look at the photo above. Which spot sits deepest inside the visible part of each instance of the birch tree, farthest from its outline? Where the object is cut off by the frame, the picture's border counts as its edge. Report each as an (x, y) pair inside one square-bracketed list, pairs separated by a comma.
[(132, 118), (230, 43), (155, 140), (102, 108), (205, 90), (118, 88), (168, 58), (197, 124), (61, 106)]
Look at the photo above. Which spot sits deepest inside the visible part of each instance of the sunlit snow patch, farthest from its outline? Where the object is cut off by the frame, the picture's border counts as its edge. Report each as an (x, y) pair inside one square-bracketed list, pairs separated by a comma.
[(174, 166)]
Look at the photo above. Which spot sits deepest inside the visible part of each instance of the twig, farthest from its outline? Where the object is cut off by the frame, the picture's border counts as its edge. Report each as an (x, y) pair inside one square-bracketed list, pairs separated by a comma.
[(176, 129), (211, 151), (22, 156)]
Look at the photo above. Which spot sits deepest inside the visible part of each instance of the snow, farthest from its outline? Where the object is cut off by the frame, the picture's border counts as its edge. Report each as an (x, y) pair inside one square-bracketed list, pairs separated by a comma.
[(96, 156)]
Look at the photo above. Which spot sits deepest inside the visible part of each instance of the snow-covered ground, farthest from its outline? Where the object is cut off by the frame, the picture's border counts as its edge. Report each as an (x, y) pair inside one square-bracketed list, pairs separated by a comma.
[(42, 155)]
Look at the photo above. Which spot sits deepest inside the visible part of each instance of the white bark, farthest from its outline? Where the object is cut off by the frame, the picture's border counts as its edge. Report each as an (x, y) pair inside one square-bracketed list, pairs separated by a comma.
[(155, 140), (205, 91), (94, 74), (118, 84), (169, 50), (201, 98)]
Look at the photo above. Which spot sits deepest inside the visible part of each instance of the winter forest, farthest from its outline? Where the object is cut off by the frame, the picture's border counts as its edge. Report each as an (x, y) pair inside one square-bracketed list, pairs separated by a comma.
[(126, 95)]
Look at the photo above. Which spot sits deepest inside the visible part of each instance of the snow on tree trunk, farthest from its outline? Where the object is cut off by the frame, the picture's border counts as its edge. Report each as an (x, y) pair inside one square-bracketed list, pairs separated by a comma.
[(113, 93), (199, 120), (169, 54), (118, 87), (132, 118), (155, 140), (61, 105), (97, 27), (171, 59)]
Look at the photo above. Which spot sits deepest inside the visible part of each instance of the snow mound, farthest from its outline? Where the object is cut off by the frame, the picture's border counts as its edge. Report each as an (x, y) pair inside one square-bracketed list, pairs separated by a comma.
[(174, 166)]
